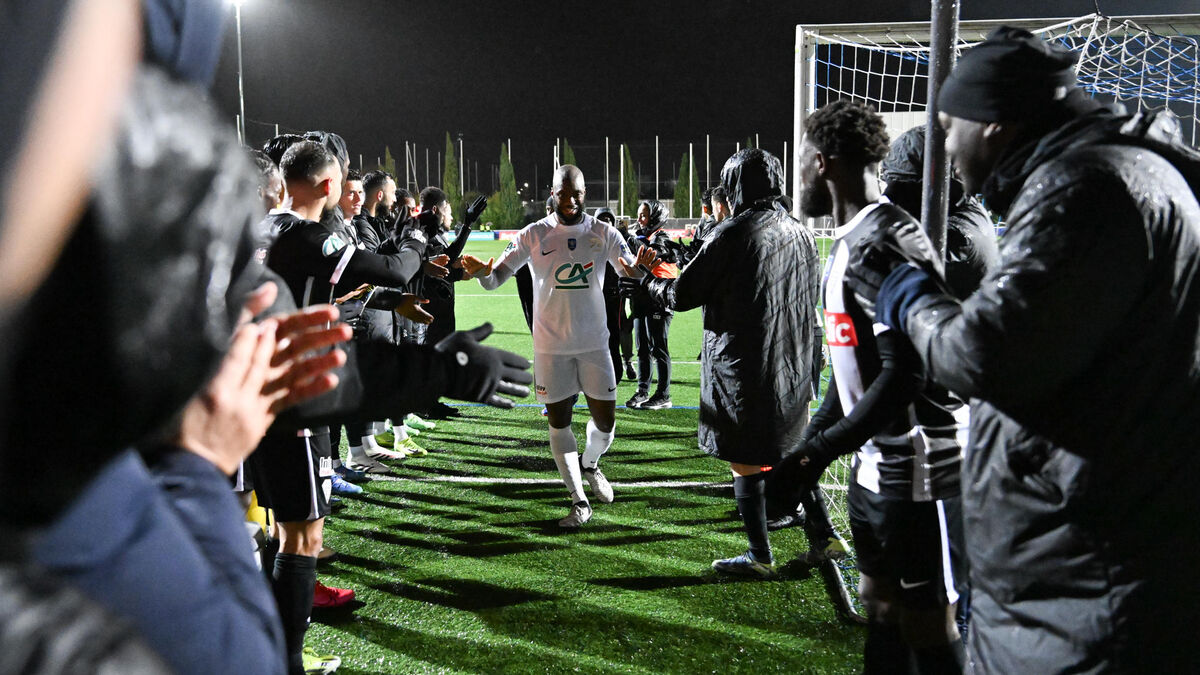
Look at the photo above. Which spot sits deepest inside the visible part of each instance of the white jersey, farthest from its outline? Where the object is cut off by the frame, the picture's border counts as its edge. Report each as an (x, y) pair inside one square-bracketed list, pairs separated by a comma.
[(567, 266)]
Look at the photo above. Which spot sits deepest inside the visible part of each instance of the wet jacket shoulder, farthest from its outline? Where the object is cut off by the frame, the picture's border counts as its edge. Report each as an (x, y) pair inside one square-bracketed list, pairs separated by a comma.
[(368, 234), (1082, 348), (757, 279), (971, 247)]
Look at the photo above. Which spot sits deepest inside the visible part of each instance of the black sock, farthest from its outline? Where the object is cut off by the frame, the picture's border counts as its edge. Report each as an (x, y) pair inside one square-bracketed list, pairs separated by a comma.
[(818, 527), (885, 651), (293, 583), (941, 660), (748, 490)]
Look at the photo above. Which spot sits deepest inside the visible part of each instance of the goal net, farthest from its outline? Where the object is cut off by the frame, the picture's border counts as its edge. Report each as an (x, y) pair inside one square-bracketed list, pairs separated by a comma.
[(1142, 62)]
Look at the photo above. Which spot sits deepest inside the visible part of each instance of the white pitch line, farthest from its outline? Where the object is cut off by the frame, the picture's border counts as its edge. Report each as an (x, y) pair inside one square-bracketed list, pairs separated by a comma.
[(483, 480)]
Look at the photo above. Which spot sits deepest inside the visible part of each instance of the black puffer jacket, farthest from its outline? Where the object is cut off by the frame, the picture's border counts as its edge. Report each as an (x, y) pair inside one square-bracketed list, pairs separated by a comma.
[(1082, 348), (757, 279)]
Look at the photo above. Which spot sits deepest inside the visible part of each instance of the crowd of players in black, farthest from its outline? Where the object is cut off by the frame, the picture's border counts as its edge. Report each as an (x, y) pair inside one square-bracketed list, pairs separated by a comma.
[(1075, 347)]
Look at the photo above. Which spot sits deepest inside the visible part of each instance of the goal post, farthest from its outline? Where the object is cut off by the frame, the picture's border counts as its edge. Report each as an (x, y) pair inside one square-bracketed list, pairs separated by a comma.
[(1143, 62)]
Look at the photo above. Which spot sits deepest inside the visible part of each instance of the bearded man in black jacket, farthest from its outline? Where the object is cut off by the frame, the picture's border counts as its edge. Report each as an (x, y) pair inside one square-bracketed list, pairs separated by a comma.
[(1080, 354)]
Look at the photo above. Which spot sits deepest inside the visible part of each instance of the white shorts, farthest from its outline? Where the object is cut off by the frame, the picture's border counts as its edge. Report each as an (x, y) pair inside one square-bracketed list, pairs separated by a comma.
[(560, 376)]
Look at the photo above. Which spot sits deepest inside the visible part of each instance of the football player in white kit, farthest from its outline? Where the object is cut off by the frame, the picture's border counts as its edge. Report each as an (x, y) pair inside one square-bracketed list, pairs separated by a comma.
[(566, 252)]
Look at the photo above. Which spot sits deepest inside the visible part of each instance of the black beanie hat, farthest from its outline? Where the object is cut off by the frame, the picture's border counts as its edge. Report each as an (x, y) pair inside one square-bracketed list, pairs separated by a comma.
[(1010, 76)]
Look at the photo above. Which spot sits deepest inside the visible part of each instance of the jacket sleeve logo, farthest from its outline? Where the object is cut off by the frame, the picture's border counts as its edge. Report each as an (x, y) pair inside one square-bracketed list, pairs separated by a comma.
[(839, 330)]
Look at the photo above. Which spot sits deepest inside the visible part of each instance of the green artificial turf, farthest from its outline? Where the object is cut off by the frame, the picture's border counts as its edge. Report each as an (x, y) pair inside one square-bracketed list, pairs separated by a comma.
[(460, 567)]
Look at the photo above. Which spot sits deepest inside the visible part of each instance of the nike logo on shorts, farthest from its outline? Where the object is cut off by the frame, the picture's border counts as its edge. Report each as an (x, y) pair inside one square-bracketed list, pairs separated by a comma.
[(907, 586), (612, 388)]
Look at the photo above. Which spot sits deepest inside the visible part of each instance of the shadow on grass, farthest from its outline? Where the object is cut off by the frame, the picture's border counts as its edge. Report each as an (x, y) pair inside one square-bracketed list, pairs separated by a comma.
[(468, 595), (635, 539), (485, 549), (651, 583), (347, 560), (463, 655)]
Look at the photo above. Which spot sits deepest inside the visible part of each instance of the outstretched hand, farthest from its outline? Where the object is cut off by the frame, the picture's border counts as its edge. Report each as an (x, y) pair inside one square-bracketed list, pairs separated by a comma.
[(352, 295), (436, 266), (484, 374), (410, 308), (645, 260), (646, 257), (269, 367), (477, 268)]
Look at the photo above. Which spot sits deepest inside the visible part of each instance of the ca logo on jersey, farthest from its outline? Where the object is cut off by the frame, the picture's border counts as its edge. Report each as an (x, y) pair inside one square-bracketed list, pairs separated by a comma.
[(839, 330), (571, 276)]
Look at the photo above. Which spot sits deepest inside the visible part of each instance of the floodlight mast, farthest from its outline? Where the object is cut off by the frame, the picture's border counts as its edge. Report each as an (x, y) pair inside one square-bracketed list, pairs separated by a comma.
[(237, 13)]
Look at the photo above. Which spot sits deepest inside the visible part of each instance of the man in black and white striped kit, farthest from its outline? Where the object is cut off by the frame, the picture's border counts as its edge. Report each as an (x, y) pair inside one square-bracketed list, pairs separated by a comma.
[(907, 436)]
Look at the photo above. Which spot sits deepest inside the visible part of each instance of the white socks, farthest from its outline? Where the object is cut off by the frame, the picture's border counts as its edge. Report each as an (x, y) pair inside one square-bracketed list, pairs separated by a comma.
[(598, 443), (566, 456), (370, 444), (358, 455)]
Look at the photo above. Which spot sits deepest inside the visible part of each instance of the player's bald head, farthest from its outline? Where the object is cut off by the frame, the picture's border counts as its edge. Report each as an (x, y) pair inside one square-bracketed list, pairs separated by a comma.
[(569, 175)]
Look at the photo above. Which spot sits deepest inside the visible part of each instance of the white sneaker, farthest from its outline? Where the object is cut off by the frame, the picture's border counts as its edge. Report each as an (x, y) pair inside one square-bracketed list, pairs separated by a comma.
[(601, 489), (581, 512), (366, 465)]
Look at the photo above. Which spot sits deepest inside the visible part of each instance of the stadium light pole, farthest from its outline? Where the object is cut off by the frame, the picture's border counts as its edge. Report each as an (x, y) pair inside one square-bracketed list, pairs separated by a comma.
[(691, 197), (943, 35), (656, 167), (237, 14), (606, 200)]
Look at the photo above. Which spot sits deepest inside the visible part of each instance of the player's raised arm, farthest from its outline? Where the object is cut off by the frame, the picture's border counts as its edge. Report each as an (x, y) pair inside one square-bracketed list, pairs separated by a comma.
[(495, 272)]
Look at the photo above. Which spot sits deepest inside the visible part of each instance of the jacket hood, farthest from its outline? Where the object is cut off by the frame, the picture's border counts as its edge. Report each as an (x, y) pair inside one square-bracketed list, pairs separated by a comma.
[(184, 36), (902, 170), (752, 176), (658, 217)]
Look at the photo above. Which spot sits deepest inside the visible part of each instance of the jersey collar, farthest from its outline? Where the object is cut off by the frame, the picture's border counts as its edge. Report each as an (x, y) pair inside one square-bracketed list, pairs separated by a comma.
[(839, 232)]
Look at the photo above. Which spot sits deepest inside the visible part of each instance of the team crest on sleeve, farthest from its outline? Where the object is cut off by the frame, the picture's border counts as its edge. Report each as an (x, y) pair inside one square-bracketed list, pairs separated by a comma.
[(332, 245)]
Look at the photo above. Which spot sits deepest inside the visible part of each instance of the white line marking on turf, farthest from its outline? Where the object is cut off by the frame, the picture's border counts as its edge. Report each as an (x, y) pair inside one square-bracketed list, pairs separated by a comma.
[(483, 480)]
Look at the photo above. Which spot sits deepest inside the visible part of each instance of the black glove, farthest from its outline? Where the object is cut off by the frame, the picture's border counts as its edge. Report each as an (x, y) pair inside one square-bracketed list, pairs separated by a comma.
[(811, 460), (874, 258), (483, 374), (475, 210), (627, 287)]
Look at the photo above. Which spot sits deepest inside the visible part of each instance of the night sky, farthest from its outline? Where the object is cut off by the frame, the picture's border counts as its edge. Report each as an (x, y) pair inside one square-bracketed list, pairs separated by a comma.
[(382, 72)]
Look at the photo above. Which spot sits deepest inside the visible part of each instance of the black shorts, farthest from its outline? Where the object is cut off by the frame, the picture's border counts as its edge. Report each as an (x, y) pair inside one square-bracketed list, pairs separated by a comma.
[(292, 475), (904, 543)]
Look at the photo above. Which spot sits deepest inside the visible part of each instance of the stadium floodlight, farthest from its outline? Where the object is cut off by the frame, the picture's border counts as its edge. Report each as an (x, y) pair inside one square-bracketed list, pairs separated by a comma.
[(237, 13)]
